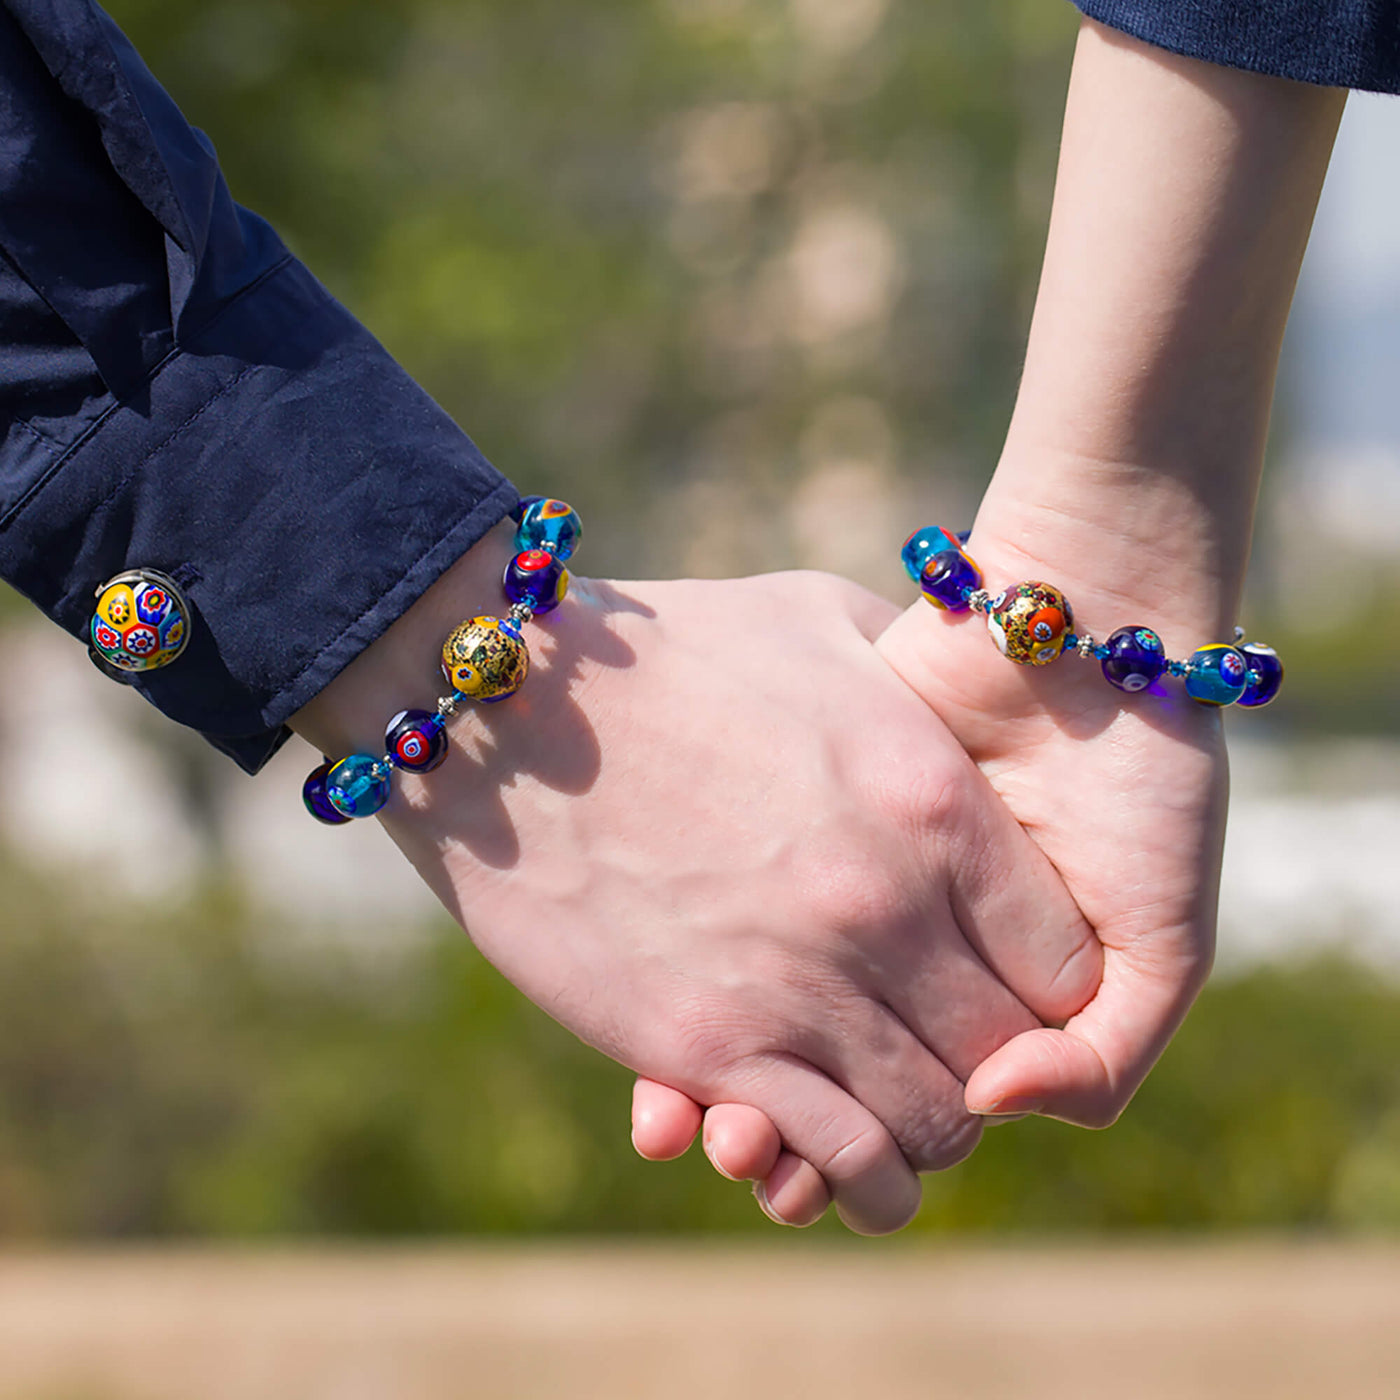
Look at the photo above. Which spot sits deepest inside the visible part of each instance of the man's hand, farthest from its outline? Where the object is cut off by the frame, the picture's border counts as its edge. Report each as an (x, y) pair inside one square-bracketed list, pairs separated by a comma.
[(720, 839)]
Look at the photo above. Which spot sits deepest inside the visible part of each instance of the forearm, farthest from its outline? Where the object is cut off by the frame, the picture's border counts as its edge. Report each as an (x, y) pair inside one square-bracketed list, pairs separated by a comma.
[(1183, 202)]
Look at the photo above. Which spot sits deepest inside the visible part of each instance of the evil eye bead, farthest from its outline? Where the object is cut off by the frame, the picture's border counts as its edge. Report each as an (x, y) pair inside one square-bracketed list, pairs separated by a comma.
[(922, 545), (1029, 623), (549, 525), (313, 794), (140, 623), (357, 786), (415, 741), (1265, 675), (485, 658), (1216, 674), (536, 578), (1135, 658), (948, 577)]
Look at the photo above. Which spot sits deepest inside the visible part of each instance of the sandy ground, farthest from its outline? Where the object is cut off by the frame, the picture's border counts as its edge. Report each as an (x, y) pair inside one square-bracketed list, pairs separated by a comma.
[(879, 1321)]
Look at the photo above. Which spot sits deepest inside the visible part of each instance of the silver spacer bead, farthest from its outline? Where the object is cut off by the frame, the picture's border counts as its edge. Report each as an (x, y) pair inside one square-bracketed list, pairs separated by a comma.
[(978, 599), (521, 613), (1085, 645), (446, 705)]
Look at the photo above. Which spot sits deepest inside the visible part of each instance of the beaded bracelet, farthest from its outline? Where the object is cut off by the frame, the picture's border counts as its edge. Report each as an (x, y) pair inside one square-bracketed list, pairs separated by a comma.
[(1032, 623), (484, 659)]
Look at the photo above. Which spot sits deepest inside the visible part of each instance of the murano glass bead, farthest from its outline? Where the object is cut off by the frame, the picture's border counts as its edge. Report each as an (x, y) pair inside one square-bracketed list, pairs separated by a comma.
[(415, 741), (948, 577), (1135, 658), (550, 525), (922, 545), (313, 793), (537, 578), (358, 786), (1029, 622), (485, 658), (141, 622), (1266, 672), (1216, 674)]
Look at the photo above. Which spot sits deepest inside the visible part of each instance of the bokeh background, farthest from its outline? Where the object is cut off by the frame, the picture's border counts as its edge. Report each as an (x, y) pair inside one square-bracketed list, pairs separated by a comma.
[(748, 282)]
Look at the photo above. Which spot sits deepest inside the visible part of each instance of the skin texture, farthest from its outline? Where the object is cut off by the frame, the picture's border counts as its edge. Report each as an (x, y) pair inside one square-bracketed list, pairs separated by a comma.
[(722, 840), (1183, 202)]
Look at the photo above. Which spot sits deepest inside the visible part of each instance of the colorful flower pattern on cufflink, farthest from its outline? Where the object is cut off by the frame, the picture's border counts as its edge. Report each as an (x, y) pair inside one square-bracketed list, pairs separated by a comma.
[(141, 623)]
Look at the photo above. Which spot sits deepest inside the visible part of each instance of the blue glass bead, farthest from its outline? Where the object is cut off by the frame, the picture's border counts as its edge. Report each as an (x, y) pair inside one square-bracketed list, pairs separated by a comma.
[(948, 575), (1268, 669), (313, 793), (1134, 658), (1215, 675), (415, 741), (549, 525), (357, 786), (921, 546), (537, 578)]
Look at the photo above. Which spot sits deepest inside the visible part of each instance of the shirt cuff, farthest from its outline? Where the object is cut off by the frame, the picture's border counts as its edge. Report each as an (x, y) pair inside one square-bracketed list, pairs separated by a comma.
[(1352, 44), (290, 476)]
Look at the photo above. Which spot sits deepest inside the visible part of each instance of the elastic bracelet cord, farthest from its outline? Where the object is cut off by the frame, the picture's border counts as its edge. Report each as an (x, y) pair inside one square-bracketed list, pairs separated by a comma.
[(1032, 624), (484, 659)]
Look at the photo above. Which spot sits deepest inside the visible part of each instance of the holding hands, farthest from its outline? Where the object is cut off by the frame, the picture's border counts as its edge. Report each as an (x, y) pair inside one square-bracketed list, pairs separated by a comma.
[(845, 877)]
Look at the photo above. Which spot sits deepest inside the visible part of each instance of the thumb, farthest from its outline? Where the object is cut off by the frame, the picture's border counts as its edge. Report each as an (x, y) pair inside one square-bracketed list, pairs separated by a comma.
[(1088, 1072)]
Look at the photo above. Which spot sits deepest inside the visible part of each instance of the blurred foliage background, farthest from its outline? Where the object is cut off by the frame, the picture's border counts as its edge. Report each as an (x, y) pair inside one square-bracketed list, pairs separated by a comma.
[(748, 281)]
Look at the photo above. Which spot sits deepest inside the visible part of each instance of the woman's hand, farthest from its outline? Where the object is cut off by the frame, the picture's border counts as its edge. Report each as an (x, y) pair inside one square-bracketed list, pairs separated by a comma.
[(1125, 794)]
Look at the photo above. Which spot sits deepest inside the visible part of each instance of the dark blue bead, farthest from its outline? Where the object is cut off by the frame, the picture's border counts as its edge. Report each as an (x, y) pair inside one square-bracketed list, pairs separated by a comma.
[(1264, 663), (947, 577), (313, 793), (415, 741), (550, 525), (537, 578), (921, 546), (1135, 658), (522, 505)]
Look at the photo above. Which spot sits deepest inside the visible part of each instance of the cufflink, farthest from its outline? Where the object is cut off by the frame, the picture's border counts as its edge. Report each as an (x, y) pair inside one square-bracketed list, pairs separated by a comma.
[(141, 623)]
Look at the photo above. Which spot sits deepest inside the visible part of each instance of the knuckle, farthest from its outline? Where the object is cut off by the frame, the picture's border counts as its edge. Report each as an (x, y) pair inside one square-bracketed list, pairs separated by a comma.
[(856, 891), (946, 1140), (706, 1039)]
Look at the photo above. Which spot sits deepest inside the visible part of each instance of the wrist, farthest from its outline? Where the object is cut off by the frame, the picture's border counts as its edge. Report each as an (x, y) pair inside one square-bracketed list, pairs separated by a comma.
[(1126, 542), (400, 669)]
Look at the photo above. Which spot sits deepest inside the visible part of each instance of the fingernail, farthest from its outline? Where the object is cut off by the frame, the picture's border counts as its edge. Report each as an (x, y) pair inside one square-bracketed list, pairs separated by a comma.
[(715, 1164), (1003, 1108), (760, 1194)]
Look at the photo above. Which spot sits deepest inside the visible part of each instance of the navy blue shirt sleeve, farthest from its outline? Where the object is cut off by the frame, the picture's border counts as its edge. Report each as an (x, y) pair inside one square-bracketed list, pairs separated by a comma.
[(178, 392), (1338, 43)]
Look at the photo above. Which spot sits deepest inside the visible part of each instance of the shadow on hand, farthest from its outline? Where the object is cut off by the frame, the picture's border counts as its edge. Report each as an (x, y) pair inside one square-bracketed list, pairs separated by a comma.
[(540, 733)]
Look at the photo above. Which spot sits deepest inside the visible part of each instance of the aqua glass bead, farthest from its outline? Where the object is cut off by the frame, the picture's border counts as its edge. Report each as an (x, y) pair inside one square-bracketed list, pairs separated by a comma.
[(922, 545), (358, 786), (1266, 672), (1135, 658), (947, 578), (1215, 675), (313, 793), (536, 578), (550, 525), (415, 741)]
